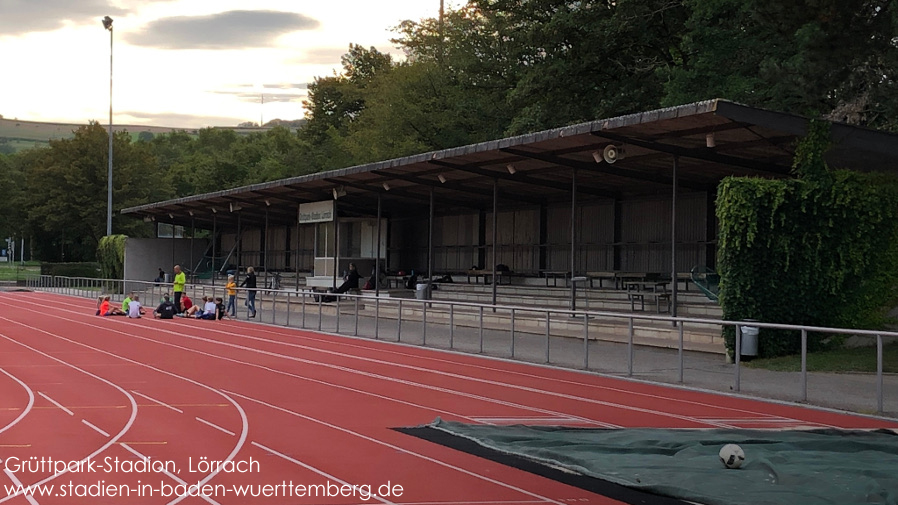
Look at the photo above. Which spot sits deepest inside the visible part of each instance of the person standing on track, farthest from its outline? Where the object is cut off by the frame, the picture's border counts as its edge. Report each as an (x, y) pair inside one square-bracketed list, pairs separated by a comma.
[(178, 288), (250, 284), (231, 288)]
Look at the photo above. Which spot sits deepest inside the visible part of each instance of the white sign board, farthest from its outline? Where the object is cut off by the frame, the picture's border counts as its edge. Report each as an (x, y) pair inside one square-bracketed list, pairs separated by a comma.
[(316, 212)]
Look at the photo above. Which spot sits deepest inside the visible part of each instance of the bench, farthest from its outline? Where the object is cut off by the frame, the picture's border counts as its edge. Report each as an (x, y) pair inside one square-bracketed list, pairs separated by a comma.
[(554, 275), (601, 276), (487, 276), (635, 296), (394, 281)]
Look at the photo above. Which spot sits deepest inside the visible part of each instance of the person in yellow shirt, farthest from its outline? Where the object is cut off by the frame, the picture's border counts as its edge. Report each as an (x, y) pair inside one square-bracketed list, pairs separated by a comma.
[(231, 287), (178, 288)]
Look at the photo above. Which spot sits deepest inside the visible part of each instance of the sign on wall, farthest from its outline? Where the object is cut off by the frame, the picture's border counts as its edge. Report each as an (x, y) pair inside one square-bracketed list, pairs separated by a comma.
[(316, 212)]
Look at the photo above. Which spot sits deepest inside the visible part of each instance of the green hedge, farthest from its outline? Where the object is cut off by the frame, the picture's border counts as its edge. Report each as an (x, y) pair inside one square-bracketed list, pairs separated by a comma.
[(820, 250), (87, 269), (111, 255)]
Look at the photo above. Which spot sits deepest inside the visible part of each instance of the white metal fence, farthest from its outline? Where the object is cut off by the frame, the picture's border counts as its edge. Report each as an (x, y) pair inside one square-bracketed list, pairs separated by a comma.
[(574, 339)]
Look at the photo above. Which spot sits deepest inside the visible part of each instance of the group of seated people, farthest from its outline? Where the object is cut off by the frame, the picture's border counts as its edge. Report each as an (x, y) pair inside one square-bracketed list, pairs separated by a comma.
[(131, 306), (212, 308)]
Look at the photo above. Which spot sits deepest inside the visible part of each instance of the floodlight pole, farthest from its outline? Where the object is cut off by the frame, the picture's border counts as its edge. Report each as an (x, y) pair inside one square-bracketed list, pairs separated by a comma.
[(107, 23)]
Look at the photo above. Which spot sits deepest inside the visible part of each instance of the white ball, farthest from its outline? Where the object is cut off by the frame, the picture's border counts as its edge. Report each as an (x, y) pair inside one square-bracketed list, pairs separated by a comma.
[(732, 456)]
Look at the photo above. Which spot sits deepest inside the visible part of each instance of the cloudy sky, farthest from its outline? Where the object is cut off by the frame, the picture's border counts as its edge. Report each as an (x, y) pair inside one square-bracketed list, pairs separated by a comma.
[(182, 63)]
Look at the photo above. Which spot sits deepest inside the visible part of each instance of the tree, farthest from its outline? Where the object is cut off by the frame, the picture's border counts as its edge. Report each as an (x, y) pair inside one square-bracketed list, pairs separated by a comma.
[(335, 101), (833, 58), (64, 184), (11, 215)]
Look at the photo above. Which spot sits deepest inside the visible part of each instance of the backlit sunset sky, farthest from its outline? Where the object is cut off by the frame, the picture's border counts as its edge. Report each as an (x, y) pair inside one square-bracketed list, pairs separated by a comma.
[(182, 63)]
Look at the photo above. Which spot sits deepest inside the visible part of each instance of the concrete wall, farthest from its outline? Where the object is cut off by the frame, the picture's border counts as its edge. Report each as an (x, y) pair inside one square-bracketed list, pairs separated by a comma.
[(144, 257)]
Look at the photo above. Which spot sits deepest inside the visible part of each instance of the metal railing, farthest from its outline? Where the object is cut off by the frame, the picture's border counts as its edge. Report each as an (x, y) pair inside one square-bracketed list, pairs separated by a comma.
[(597, 341)]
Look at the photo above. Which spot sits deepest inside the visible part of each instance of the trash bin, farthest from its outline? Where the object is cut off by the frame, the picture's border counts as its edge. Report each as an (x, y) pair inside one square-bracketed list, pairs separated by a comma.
[(422, 291), (749, 348), (168, 278)]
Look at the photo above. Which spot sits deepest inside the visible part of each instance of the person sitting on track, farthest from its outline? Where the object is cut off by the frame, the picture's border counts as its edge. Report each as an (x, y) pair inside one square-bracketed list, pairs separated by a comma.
[(209, 309), (186, 302), (106, 308), (127, 302), (166, 309), (221, 311), (135, 309), (192, 310)]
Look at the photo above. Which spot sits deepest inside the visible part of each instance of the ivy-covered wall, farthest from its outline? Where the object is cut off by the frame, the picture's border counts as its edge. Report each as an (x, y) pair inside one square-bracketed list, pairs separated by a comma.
[(111, 256), (821, 250)]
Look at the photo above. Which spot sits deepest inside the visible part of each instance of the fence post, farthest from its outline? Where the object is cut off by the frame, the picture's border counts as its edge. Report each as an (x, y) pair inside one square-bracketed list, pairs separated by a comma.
[(356, 332), (424, 324), (680, 326), (274, 306), (804, 365), (585, 341), (399, 322), (481, 329), (630, 347), (320, 311), (512, 333), (548, 341), (376, 317), (738, 350), (338, 314), (288, 308), (879, 406), (451, 325)]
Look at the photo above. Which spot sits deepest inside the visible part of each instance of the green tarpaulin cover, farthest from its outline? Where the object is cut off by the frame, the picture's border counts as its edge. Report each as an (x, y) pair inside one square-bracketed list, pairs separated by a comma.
[(794, 467)]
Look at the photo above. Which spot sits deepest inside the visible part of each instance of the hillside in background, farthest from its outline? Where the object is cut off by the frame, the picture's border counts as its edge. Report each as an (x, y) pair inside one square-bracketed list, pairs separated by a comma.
[(17, 135)]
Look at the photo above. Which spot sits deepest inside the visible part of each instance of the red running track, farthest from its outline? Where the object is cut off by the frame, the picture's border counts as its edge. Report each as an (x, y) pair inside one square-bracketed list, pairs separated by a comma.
[(294, 407)]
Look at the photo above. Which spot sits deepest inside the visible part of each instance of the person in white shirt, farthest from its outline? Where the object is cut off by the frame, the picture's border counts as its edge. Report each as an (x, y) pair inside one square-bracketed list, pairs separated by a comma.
[(135, 310), (209, 309)]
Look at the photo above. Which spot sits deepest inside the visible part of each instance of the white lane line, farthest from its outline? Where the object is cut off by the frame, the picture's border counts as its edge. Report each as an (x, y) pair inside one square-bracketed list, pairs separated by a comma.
[(243, 418), (67, 411), (319, 472), (382, 349), (217, 427), (104, 446), (16, 482), (237, 446), (94, 427), (179, 411), (166, 472), (386, 378), (397, 448), (462, 377), (449, 374), (582, 420), (27, 407), (527, 420)]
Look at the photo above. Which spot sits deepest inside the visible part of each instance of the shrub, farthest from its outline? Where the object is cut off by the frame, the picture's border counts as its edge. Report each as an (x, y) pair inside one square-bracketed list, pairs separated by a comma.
[(819, 250)]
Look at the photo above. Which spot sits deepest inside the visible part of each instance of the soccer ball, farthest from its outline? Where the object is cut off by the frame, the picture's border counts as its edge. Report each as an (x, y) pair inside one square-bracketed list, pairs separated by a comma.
[(732, 456)]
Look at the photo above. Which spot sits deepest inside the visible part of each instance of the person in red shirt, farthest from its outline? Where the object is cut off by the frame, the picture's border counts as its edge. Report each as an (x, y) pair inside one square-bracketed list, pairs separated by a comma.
[(107, 309), (186, 302)]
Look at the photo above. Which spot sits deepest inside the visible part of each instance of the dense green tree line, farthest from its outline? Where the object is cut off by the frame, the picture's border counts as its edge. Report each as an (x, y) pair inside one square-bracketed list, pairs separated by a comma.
[(490, 69)]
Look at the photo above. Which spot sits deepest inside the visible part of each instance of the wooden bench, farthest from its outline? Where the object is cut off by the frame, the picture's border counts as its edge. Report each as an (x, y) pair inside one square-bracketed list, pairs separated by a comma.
[(601, 276), (554, 275), (487, 276), (394, 281), (635, 296)]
